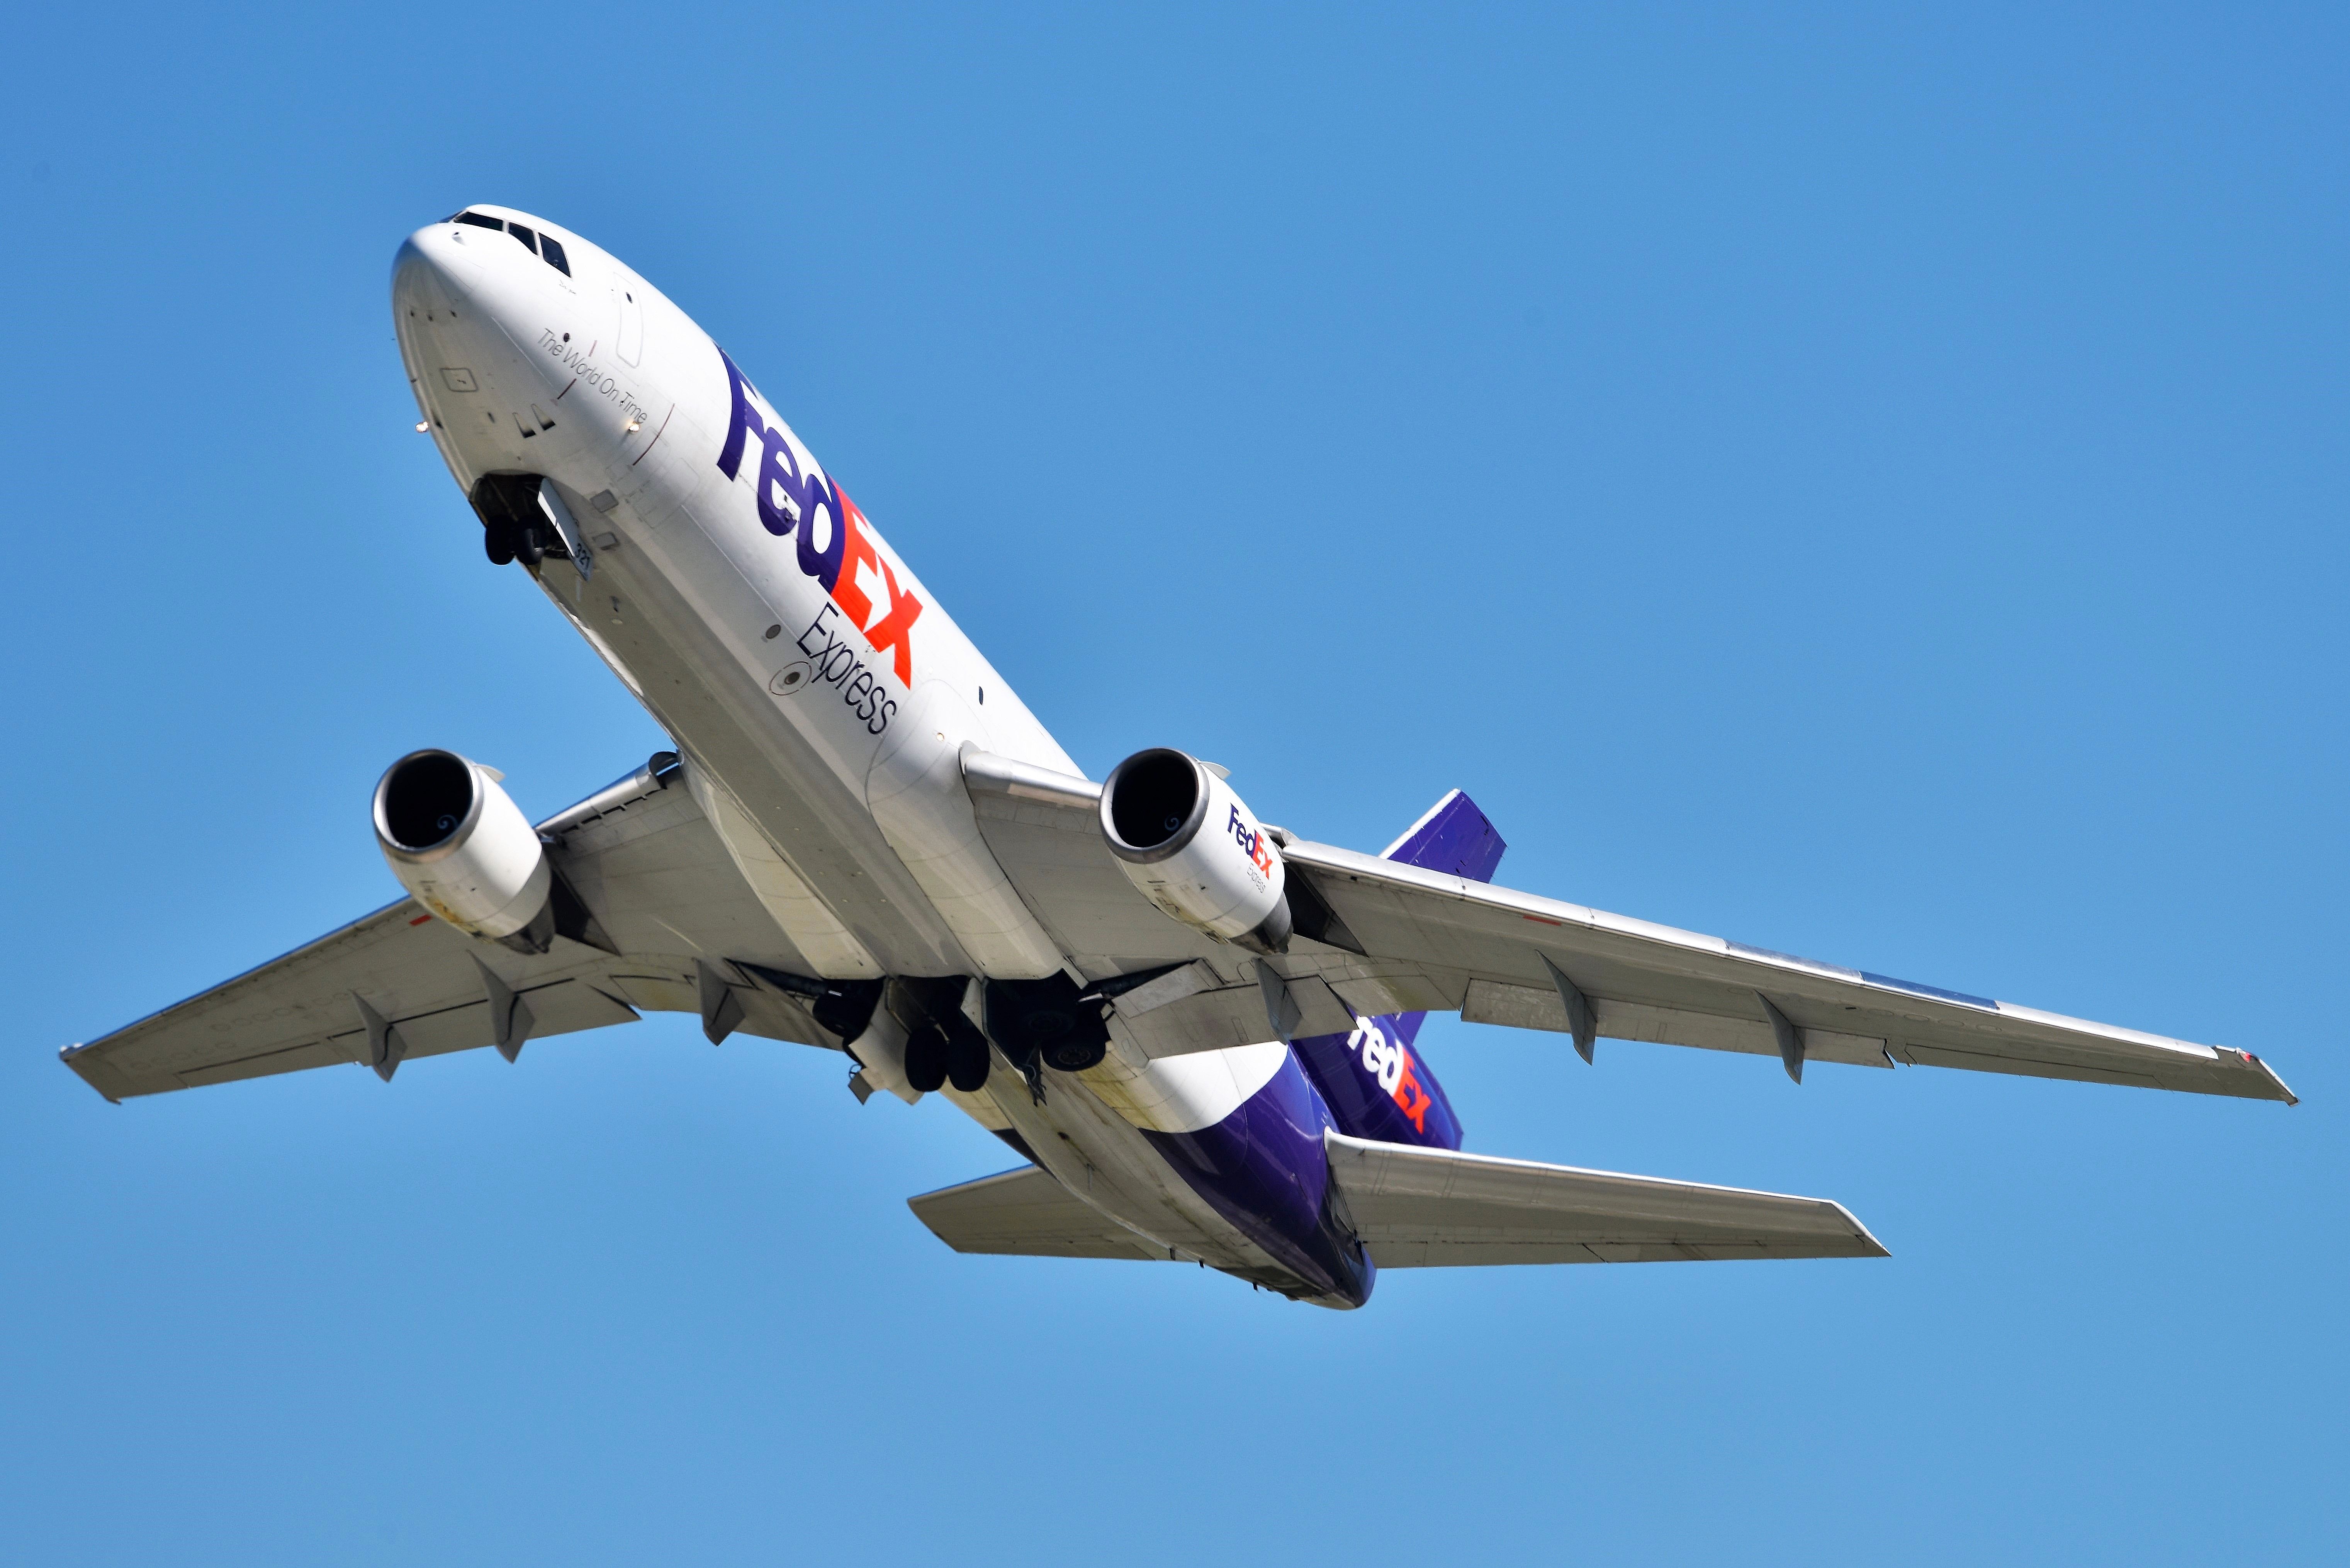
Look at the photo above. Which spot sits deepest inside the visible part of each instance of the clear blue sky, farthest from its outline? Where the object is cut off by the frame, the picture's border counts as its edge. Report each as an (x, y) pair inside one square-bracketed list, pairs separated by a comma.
[(1869, 485)]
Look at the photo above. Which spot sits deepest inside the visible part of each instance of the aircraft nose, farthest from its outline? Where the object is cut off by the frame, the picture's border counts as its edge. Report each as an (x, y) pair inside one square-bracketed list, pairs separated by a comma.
[(436, 320), (431, 275), (492, 273)]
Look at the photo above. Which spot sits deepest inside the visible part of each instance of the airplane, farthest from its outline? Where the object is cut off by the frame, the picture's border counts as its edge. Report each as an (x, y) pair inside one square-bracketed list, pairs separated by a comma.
[(1197, 1030)]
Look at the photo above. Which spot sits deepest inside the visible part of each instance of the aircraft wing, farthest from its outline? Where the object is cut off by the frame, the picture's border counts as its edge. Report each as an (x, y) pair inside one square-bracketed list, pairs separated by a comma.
[(1025, 1214), (1426, 940), (1376, 936), (1430, 1208), (662, 912), (304, 1010)]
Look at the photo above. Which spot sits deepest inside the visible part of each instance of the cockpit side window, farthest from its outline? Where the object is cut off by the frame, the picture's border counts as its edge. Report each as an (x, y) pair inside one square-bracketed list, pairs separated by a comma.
[(479, 220), (552, 249), (529, 241)]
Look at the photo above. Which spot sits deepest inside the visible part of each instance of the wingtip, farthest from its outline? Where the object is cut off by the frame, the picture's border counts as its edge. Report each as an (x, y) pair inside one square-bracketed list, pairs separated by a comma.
[(2283, 1092), (1865, 1245), (1870, 1247), (68, 1055)]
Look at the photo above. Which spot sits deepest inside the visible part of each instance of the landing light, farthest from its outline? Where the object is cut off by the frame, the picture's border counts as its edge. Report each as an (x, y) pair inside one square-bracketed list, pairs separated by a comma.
[(423, 426)]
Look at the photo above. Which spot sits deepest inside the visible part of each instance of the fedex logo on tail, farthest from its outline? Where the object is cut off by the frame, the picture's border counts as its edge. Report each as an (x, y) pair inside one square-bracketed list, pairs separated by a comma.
[(1377, 1084), (1390, 1061), (795, 498)]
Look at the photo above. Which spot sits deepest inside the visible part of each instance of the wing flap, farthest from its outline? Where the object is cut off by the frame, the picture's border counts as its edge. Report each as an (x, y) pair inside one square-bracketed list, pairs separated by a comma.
[(1232, 1015), (1025, 1214), (557, 1007), (1430, 1208), (287, 1059), (1521, 1007)]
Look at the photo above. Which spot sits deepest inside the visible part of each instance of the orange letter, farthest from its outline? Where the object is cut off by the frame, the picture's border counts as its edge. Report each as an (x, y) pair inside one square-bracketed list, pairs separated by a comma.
[(855, 548)]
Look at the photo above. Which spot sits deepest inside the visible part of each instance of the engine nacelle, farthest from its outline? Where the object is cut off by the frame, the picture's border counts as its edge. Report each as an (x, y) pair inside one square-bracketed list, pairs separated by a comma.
[(1195, 849), (465, 849)]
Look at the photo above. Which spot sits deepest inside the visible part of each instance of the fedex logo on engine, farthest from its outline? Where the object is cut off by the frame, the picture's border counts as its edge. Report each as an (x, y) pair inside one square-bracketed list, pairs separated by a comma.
[(1251, 843), (1390, 1061), (836, 541)]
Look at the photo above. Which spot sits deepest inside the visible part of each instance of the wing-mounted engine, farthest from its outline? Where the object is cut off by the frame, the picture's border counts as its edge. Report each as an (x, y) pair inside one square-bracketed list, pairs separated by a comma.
[(460, 845), (1193, 849)]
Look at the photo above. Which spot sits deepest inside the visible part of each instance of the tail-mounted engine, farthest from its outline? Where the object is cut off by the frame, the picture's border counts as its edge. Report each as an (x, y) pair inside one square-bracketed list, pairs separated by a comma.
[(464, 849), (1195, 849)]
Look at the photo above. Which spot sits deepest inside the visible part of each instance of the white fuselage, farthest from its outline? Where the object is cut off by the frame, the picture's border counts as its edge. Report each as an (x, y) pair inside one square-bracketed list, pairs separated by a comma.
[(823, 722)]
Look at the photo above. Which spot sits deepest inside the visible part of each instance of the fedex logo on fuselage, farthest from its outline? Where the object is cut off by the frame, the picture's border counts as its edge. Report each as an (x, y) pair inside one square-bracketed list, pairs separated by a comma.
[(1390, 1061), (836, 541), (1251, 843)]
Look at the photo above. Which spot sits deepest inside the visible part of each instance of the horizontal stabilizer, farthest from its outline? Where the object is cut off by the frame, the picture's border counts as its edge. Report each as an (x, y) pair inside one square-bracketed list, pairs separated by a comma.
[(1426, 1208), (1025, 1214)]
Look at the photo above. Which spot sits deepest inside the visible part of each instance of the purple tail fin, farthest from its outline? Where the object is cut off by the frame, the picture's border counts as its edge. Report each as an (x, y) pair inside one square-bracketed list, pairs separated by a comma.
[(1376, 1085), (1453, 836)]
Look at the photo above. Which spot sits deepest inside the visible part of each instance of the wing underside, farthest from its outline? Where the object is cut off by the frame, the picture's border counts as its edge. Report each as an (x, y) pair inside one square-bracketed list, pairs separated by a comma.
[(1503, 956), (1377, 937), (678, 928), (671, 915)]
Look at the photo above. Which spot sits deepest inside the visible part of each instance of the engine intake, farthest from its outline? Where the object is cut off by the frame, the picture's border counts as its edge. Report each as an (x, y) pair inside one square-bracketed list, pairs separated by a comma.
[(465, 850), (1193, 847)]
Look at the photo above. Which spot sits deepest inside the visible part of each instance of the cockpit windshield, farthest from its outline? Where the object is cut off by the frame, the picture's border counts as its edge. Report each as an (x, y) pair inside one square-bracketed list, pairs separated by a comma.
[(546, 247)]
